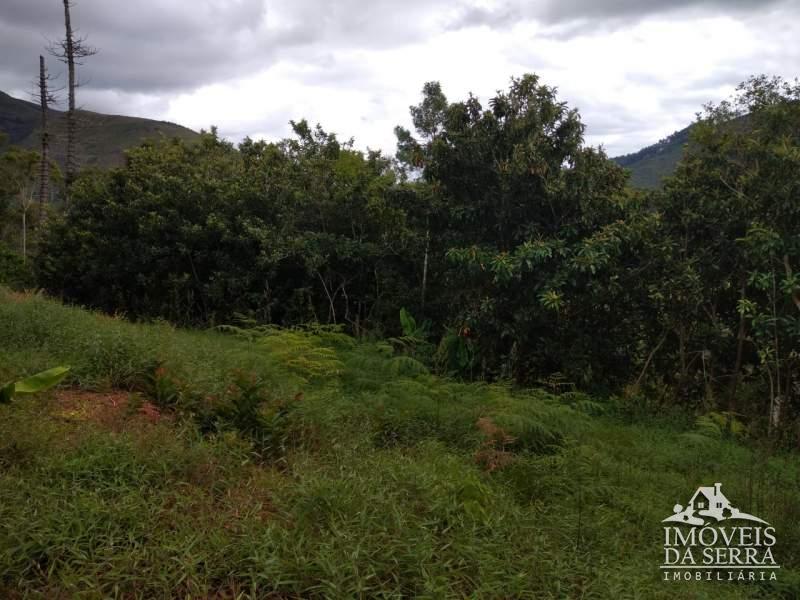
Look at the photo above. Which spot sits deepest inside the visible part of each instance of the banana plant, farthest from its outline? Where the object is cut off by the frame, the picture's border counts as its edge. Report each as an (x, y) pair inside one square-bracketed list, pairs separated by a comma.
[(33, 384)]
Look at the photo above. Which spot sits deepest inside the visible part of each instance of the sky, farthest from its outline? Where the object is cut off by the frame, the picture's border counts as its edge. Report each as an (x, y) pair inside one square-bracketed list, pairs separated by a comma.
[(637, 70)]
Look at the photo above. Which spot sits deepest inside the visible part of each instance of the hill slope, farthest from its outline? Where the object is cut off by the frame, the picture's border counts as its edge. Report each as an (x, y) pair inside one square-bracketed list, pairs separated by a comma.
[(102, 139), (650, 165), (328, 468)]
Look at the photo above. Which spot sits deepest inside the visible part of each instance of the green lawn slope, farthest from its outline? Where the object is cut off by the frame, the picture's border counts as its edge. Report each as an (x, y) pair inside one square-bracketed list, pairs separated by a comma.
[(364, 475)]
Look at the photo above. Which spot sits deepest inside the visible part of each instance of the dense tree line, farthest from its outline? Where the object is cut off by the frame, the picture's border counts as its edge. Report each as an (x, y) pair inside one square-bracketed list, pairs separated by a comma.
[(521, 252)]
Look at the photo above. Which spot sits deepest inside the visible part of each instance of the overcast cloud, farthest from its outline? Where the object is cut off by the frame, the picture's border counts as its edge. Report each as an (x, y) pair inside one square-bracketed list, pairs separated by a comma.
[(636, 69)]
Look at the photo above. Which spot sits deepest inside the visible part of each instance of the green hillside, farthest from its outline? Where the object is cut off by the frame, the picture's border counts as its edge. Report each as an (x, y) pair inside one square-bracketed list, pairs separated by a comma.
[(302, 463), (650, 165), (102, 139)]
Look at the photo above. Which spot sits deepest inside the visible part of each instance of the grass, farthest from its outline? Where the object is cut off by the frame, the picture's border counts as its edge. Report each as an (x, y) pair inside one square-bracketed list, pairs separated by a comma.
[(385, 481)]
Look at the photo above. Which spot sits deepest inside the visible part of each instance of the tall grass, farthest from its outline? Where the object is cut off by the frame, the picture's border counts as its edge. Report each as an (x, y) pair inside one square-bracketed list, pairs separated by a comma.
[(391, 482)]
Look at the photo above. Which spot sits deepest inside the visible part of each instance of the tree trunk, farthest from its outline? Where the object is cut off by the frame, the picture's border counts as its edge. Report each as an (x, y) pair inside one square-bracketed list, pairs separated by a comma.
[(24, 235), (649, 359), (775, 414), (683, 382), (737, 368), (69, 50), (44, 167), (425, 267), (777, 400)]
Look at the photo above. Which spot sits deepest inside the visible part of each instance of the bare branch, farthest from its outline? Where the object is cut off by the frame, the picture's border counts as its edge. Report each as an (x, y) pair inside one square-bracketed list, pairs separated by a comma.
[(71, 50)]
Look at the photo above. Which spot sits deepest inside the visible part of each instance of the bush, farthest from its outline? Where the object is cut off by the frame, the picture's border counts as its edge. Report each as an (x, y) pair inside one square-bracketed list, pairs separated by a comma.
[(14, 272)]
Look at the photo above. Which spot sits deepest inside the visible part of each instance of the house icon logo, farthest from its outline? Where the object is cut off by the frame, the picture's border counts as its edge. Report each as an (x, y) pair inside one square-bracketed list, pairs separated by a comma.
[(712, 540), (708, 505)]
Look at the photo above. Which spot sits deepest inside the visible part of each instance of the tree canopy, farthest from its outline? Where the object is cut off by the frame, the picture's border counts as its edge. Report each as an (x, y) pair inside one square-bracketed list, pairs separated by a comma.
[(515, 248)]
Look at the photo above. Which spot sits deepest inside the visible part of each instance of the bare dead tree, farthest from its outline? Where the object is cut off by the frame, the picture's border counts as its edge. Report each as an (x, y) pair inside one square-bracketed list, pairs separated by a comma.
[(71, 51), (46, 98)]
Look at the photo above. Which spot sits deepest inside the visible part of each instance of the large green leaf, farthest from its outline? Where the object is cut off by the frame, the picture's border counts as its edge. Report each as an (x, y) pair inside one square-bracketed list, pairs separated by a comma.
[(407, 322), (41, 381)]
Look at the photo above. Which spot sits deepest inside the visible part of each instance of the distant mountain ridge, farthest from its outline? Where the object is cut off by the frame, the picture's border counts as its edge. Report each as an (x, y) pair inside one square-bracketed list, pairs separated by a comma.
[(650, 165), (102, 139)]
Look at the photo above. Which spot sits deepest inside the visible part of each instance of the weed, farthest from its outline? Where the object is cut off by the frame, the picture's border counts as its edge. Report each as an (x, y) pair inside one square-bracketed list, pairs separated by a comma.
[(312, 467)]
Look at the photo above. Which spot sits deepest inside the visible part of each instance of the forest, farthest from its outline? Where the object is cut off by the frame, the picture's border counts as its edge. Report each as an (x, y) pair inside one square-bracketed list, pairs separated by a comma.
[(512, 250), (484, 367)]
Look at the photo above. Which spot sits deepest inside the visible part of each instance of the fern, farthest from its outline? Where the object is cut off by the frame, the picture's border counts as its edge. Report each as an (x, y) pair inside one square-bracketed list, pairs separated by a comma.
[(713, 426), (309, 352), (303, 354), (530, 434), (582, 403), (708, 427), (557, 383), (699, 439), (406, 366)]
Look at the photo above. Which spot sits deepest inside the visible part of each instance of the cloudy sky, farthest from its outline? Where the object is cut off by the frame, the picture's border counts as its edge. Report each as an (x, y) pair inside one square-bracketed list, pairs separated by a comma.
[(636, 69)]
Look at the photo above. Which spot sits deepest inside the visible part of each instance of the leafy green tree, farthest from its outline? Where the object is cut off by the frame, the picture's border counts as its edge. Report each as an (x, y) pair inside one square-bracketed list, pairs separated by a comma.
[(732, 207), (526, 203), (297, 231), (18, 169), (173, 233), (344, 239)]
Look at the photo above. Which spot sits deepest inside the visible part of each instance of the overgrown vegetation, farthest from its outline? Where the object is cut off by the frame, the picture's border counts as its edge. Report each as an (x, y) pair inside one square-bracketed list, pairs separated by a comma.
[(326, 473), (522, 250), (353, 415)]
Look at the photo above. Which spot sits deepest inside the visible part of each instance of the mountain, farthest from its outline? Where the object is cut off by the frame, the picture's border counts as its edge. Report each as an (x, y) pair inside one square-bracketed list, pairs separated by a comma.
[(102, 139), (649, 165)]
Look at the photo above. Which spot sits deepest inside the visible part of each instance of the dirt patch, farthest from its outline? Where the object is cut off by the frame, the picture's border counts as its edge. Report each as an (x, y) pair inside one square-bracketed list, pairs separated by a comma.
[(112, 410), (15, 297)]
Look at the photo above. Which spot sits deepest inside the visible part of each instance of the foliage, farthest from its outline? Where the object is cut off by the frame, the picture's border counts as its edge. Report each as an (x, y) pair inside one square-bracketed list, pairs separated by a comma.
[(414, 348), (285, 233), (14, 272), (18, 219), (532, 212), (733, 219), (33, 384), (455, 354), (145, 509), (511, 250), (247, 408)]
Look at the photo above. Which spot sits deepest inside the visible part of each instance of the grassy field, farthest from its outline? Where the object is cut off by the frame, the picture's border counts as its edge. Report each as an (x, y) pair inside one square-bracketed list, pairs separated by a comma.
[(288, 464)]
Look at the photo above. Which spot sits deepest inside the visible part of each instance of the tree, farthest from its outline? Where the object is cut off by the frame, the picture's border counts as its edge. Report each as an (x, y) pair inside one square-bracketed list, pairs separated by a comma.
[(523, 198), (46, 98), (345, 241), (71, 51), (288, 233), (165, 235), (428, 119), (734, 203), (18, 169)]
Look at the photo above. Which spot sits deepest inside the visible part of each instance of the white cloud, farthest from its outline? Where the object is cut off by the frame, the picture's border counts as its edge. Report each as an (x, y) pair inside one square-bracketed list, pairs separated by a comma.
[(637, 71)]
